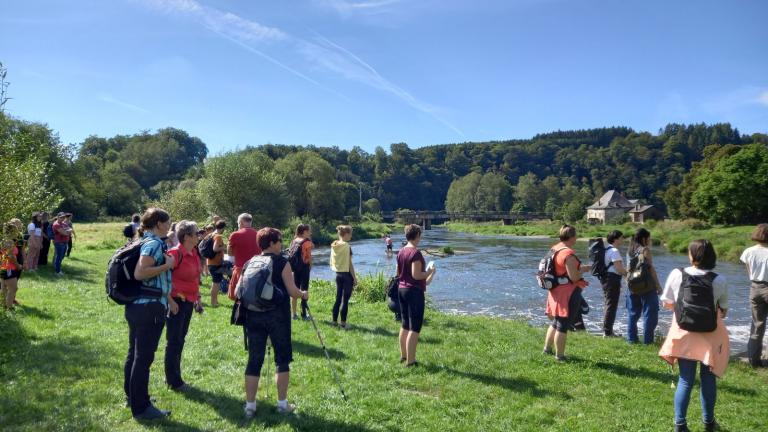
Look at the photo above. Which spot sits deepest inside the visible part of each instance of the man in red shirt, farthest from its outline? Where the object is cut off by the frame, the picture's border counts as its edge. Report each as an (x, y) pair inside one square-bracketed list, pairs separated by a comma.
[(61, 234), (243, 246)]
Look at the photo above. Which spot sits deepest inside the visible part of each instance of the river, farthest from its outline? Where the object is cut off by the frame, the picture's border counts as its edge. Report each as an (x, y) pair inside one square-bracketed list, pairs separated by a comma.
[(494, 276)]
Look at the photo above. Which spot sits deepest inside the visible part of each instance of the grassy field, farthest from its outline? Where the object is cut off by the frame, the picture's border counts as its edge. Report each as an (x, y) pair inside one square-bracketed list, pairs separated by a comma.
[(729, 241), (61, 356)]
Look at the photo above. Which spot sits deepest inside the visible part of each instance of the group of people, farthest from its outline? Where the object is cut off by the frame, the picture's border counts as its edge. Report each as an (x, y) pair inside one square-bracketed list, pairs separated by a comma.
[(689, 347), (27, 249)]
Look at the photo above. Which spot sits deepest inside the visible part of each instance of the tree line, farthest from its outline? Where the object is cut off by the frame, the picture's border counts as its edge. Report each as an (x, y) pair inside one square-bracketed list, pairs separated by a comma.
[(700, 171)]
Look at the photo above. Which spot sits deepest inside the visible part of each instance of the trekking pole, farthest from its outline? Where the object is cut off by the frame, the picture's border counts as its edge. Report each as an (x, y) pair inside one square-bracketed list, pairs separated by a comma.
[(268, 377), (327, 356)]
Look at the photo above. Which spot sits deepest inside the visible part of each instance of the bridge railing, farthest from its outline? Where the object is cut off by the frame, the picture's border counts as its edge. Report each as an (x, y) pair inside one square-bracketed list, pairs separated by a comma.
[(426, 214)]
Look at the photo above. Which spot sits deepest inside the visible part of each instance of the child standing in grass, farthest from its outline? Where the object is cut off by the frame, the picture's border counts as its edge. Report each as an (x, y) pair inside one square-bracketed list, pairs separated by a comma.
[(693, 348)]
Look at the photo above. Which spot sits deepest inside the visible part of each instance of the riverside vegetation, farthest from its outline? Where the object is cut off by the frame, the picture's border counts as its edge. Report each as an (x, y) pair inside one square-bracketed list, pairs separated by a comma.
[(63, 350)]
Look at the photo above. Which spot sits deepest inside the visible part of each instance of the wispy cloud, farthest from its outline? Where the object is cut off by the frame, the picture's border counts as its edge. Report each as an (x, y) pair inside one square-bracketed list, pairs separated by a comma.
[(737, 99), (346, 6), (763, 98), (319, 53), (104, 97)]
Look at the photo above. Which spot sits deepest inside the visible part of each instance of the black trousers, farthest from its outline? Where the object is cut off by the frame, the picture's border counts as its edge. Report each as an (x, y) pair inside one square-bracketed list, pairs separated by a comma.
[(301, 279), (43, 258), (178, 325), (69, 246), (343, 293), (611, 294), (145, 326), (758, 297)]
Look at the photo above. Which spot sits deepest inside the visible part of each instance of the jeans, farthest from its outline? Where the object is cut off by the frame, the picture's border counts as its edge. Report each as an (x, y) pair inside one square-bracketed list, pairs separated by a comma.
[(343, 293), (145, 326), (611, 292), (648, 304), (685, 385), (59, 250), (178, 325), (758, 297)]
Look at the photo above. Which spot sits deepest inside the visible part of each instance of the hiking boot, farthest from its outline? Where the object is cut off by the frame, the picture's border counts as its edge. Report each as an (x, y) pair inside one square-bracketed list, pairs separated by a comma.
[(306, 318), (152, 413), (182, 388), (712, 427), (288, 409), (249, 412), (561, 358), (682, 428)]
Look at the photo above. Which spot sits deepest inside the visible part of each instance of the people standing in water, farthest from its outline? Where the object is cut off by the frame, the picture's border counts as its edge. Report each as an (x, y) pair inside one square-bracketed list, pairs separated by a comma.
[(562, 304), (645, 303), (612, 283), (34, 242), (414, 278), (300, 256), (697, 347), (341, 263), (756, 260), (388, 244)]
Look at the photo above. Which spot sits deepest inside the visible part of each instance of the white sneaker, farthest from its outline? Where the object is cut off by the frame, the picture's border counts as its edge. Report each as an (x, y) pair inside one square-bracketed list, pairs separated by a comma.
[(249, 412), (288, 409), (60, 274)]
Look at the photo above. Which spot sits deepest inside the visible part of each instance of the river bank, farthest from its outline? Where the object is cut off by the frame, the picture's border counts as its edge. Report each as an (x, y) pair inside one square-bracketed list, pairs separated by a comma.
[(729, 241)]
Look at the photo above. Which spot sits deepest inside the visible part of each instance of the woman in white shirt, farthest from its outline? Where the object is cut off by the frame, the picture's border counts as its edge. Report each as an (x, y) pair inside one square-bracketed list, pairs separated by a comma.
[(756, 260), (34, 243), (701, 343)]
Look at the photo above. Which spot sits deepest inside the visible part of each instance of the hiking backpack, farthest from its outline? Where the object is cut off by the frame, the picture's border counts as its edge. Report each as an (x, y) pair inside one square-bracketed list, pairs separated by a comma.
[(206, 248), (120, 284), (295, 255), (546, 276), (695, 309), (639, 278), (128, 231), (597, 251), (255, 289)]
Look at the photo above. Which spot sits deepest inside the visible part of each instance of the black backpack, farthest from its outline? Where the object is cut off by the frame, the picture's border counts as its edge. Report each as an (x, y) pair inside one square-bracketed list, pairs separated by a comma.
[(597, 256), (128, 231), (546, 276), (206, 247), (392, 294), (295, 256), (121, 286), (695, 309)]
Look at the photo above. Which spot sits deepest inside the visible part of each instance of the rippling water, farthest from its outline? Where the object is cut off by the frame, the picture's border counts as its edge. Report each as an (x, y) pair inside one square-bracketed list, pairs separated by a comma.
[(493, 275)]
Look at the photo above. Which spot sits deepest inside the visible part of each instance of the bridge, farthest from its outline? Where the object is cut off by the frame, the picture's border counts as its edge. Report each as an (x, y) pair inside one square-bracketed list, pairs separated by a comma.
[(426, 218)]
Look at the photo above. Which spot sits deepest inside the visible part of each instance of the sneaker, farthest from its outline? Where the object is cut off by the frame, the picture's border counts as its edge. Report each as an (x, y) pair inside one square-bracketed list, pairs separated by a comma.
[(711, 427), (345, 326), (249, 412), (152, 413), (561, 358), (682, 428), (295, 317), (306, 318), (548, 351), (414, 364), (182, 388), (288, 409), (60, 274)]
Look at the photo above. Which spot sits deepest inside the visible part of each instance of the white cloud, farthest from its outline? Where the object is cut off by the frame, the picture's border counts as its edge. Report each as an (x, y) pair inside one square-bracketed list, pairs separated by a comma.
[(105, 97), (345, 7), (763, 98)]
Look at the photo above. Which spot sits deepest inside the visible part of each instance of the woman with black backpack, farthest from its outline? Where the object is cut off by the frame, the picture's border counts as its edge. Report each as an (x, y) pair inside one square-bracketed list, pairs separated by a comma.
[(644, 288), (300, 256), (699, 299)]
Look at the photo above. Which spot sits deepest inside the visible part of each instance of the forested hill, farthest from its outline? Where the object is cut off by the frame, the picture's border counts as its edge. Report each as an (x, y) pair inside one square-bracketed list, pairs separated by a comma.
[(559, 172)]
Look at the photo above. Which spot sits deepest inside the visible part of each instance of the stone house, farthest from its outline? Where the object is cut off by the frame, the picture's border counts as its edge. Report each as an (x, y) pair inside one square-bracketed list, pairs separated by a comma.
[(643, 213), (611, 207)]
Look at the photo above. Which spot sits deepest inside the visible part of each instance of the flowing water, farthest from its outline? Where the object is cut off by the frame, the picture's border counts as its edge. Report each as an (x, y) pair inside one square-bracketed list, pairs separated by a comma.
[(494, 276)]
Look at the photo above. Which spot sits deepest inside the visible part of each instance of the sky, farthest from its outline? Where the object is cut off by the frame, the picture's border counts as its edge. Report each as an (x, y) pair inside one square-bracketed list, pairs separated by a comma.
[(370, 73)]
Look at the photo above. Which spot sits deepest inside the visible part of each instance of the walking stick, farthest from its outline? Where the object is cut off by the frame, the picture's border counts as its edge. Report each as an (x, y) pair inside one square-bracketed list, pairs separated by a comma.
[(327, 356), (269, 374)]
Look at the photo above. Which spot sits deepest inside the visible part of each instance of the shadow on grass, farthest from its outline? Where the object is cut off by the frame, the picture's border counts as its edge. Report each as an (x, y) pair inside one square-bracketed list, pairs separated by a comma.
[(378, 331), (33, 311), (315, 350), (515, 384), (231, 409), (640, 372)]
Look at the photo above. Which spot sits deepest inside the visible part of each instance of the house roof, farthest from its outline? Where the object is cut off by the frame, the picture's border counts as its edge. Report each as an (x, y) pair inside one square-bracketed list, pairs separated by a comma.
[(641, 209), (611, 199)]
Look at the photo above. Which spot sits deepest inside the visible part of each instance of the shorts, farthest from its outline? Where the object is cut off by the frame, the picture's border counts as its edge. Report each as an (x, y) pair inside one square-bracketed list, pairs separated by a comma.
[(10, 274), (412, 308), (216, 274), (389, 247), (276, 325), (561, 324)]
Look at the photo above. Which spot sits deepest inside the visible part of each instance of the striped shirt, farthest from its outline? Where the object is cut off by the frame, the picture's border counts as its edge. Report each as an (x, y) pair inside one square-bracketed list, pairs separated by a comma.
[(155, 247)]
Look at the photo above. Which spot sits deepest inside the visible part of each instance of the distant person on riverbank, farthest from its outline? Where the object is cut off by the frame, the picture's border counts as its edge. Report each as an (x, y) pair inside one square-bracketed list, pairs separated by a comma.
[(47, 231), (414, 277), (274, 323), (185, 295), (34, 242), (300, 257), (756, 260), (146, 315), (562, 304), (700, 344), (612, 283), (10, 265), (341, 263), (643, 297), (243, 245), (215, 264), (61, 235)]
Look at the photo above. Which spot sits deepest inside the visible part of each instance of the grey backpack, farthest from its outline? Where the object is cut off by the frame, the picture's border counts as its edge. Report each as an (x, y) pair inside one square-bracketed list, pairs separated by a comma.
[(255, 288)]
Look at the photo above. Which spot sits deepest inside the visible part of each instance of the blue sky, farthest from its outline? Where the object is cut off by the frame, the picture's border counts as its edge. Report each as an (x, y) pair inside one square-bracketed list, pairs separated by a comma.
[(374, 72)]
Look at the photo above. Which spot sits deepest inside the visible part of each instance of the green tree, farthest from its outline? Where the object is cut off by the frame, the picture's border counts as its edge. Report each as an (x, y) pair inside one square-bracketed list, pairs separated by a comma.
[(494, 193), (462, 194), (312, 186)]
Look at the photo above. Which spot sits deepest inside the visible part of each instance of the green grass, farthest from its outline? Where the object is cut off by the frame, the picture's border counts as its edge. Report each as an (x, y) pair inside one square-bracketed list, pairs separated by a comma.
[(729, 241), (61, 357)]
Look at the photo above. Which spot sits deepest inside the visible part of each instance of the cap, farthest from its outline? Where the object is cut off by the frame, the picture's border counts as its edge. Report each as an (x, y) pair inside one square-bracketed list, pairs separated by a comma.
[(61, 214)]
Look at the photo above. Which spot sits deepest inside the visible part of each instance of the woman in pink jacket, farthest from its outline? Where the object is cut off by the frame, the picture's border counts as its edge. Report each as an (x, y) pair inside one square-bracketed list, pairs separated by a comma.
[(700, 343)]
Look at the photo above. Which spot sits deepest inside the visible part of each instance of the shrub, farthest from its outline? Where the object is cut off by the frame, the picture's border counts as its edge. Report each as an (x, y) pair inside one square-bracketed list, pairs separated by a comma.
[(372, 288)]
